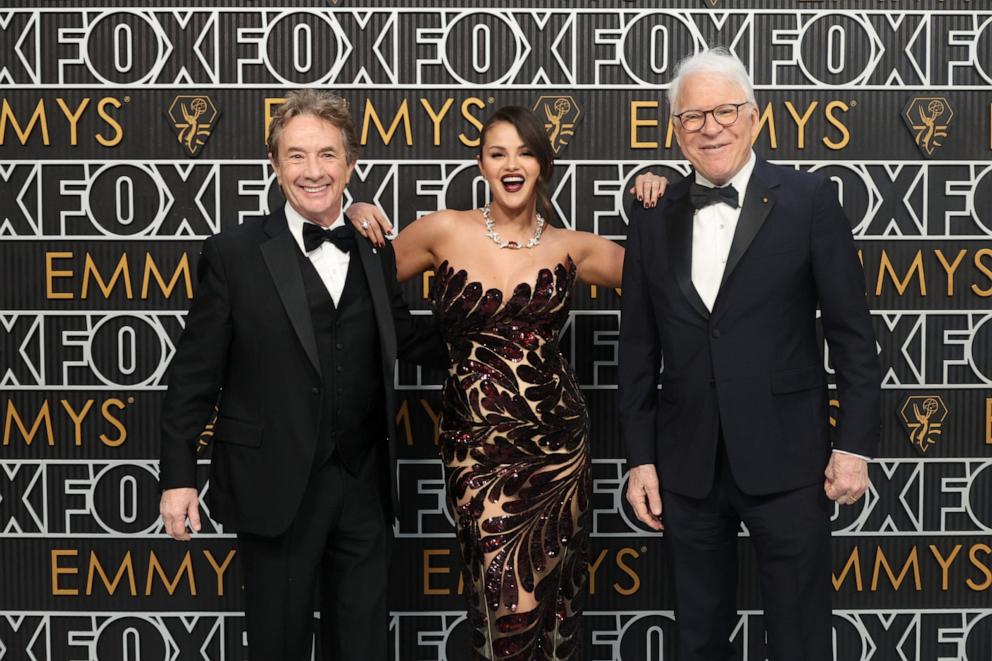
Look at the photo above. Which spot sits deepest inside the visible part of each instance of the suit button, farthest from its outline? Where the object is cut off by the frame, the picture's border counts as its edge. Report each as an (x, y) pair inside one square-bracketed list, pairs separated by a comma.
[(339, 346), (340, 369), (315, 391), (716, 332)]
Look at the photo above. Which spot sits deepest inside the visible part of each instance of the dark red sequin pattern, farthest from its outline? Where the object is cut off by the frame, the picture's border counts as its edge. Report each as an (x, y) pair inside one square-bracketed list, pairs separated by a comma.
[(514, 440)]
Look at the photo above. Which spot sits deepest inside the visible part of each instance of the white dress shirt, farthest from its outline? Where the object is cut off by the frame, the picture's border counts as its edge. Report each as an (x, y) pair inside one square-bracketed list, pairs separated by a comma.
[(330, 262), (713, 230)]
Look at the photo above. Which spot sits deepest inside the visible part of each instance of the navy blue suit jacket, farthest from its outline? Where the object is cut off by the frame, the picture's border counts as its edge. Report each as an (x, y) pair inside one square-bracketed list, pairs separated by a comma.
[(754, 365)]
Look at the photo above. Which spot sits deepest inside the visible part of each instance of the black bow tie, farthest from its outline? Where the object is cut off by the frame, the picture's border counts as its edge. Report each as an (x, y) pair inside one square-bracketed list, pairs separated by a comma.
[(703, 196), (314, 235)]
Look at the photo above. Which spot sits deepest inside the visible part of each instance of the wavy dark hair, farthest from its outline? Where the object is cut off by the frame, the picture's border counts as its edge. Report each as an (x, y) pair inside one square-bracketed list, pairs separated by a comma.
[(532, 132)]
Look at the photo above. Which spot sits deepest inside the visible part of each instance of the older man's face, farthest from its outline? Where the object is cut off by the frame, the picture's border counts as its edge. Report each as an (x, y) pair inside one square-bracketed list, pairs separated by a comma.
[(717, 152), (312, 167)]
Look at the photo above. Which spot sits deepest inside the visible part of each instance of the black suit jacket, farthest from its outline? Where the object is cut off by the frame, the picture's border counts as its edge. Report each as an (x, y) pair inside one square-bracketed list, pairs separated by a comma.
[(249, 343), (753, 365)]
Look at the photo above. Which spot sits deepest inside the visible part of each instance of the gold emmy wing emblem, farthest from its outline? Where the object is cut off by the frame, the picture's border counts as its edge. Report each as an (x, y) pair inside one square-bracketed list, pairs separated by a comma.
[(562, 114), (193, 118), (923, 416), (928, 118)]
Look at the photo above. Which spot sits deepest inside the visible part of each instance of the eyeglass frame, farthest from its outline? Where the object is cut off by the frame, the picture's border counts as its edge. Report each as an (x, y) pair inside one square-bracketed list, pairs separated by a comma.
[(712, 113)]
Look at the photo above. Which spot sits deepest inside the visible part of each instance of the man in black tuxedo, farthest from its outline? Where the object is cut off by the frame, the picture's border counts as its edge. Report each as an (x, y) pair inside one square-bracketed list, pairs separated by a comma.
[(723, 280), (293, 336)]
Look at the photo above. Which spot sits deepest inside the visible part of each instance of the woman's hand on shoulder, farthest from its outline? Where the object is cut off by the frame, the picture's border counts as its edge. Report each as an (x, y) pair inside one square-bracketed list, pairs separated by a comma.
[(648, 188), (371, 222)]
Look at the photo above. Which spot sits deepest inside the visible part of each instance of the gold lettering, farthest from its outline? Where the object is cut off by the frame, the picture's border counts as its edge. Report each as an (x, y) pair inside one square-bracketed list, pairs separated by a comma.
[(636, 122), (73, 117), (885, 268), (945, 563), (984, 268), (51, 274), (988, 420), (950, 268), (853, 562), (435, 418), (402, 116), (980, 566), (426, 283), (14, 418), (122, 271), (155, 568), (109, 417), (801, 121), (101, 109), (593, 568), (77, 418), (912, 562), (182, 270), (270, 104), (767, 117), (38, 117), (403, 421), (467, 105), (839, 125), (436, 117), (219, 569), (126, 567), (430, 569), (625, 568), (58, 570)]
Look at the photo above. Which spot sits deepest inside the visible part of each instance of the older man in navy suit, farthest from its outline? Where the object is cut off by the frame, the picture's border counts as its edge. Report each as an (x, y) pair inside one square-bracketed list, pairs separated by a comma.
[(723, 280)]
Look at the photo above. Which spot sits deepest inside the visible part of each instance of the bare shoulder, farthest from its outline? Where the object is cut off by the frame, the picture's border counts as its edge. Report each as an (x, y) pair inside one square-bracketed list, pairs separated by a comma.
[(578, 244), (445, 220)]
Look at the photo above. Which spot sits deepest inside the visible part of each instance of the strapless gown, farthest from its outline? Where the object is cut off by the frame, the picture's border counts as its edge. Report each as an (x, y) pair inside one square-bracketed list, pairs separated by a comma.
[(515, 443)]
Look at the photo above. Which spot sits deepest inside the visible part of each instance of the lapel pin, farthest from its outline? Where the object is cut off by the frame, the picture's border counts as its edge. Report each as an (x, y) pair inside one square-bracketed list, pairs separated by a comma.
[(765, 200)]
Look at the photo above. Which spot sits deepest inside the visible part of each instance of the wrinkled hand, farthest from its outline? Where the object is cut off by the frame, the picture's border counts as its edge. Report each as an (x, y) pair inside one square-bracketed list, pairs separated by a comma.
[(847, 478), (176, 505), (370, 222), (644, 495), (648, 188)]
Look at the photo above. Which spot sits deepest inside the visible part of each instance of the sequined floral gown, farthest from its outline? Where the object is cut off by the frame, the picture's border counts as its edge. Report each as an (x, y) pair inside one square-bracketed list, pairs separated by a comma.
[(514, 441)]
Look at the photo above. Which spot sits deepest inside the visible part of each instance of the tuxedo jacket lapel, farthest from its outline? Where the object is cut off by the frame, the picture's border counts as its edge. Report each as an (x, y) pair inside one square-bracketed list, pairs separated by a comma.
[(680, 249), (281, 254), (758, 203)]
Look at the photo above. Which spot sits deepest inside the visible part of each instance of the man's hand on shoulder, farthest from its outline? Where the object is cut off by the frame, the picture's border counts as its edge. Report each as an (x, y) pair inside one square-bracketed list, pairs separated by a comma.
[(847, 478), (176, 505), (644, 495)]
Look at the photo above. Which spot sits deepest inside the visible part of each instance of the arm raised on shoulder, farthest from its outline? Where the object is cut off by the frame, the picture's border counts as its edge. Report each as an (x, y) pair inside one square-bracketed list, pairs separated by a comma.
[(598, 261)]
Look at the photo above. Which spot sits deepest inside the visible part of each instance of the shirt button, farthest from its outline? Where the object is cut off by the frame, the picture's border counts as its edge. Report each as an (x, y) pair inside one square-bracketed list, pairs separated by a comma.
[(716, 332), (315, 391)]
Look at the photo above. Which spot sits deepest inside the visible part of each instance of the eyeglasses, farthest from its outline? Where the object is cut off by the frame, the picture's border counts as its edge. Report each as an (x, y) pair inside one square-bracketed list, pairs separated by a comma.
[(724, 115)]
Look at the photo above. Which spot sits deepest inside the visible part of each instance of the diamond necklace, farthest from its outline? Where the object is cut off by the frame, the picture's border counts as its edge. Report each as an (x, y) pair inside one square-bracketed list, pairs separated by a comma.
[(513, 245)]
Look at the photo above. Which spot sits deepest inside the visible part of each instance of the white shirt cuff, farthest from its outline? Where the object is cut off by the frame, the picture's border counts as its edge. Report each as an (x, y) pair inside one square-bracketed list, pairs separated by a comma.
[(853, 454)]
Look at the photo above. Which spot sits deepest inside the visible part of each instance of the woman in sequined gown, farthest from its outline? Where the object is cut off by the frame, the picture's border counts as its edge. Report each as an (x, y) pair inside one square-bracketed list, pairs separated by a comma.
[(514, 432)]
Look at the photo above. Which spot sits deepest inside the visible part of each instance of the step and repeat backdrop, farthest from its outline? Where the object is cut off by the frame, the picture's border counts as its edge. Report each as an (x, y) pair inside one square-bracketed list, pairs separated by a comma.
[(129, 131)]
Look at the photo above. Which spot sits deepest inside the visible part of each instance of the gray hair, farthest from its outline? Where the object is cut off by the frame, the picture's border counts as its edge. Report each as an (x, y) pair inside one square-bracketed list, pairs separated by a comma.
[(718, 62), (320, 104)]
